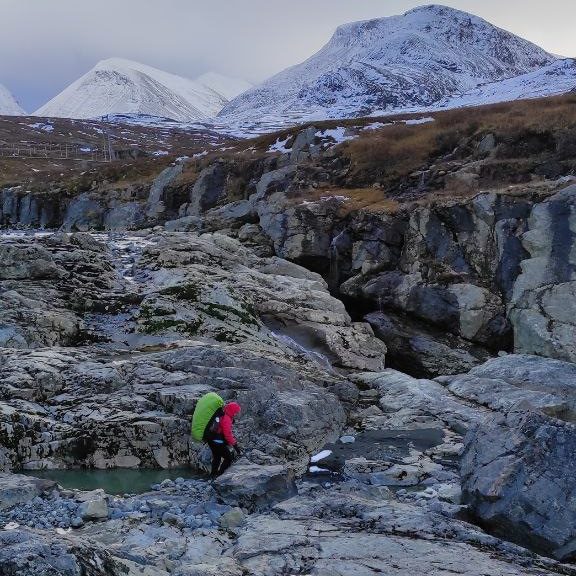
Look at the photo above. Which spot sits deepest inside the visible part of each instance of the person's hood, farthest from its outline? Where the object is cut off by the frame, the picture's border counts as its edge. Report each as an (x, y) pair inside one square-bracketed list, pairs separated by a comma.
[(232, 409)]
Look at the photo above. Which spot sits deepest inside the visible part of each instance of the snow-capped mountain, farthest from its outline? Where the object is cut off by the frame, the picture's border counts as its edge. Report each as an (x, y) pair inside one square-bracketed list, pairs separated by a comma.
[(226, 86), (8, 104), (412, 61), (118, 86)]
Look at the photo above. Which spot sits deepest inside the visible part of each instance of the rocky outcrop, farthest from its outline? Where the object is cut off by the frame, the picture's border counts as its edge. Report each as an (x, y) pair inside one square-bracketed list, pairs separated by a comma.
[(20, 207), (136, 413), (108, 342), (544, 297), (234, 319), (419, 350), (490, 271), (518, 477), (156, 204), (207, 191), (517, 469), (210, 285), (47, 285), (27, 553)]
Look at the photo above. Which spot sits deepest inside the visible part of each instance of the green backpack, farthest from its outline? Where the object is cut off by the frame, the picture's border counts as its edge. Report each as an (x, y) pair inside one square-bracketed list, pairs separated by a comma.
[(204, 412)]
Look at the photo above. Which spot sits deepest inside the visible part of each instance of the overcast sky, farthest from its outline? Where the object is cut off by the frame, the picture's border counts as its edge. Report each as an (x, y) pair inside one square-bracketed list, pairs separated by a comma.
[(46, 44)]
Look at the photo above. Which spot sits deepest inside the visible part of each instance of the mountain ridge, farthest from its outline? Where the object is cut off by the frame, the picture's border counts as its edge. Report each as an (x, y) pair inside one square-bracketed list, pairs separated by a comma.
[(120, 86), (415, 60)]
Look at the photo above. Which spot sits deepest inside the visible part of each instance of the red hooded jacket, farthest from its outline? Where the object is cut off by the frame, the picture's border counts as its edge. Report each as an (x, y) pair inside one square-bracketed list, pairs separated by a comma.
[(226, 421)]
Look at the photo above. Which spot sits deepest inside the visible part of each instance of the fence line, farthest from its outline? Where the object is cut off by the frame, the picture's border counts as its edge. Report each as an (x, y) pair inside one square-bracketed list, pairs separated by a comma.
[(55, 151)]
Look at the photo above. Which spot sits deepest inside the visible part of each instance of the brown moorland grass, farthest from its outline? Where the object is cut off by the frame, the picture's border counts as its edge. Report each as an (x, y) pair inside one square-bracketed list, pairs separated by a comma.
[(394, 151), (353, 199)]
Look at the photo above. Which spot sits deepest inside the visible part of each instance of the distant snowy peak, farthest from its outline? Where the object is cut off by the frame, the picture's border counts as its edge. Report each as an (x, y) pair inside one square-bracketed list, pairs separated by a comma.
[(226, 86), (117, 86), (8, 104), (410, 61)]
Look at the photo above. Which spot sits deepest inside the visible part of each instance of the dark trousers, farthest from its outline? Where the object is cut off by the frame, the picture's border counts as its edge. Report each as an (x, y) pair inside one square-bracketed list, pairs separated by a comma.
[(221, 457)]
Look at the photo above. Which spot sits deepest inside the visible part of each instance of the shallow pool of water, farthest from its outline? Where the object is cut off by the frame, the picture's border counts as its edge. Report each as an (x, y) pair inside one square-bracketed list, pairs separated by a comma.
[(115, 481), (388, 445)]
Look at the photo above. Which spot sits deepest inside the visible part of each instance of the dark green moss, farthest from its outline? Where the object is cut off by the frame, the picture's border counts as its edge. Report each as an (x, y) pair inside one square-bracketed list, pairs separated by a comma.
[(154, 327), (225, 336), (190, 328), (150, 312), (159, 326), (188, 292), (222, 312)]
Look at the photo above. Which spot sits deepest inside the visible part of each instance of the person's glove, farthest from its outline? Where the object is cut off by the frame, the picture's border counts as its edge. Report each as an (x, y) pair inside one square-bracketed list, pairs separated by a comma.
[(238, 450)]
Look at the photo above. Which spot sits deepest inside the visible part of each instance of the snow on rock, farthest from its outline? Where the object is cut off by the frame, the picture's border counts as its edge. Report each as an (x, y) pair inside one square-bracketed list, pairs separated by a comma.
[(8, 104), (44, 126), (320, 456), (118, 86), (377, 125), (416, 121), (280, 146), (338, 134), (408, 62)]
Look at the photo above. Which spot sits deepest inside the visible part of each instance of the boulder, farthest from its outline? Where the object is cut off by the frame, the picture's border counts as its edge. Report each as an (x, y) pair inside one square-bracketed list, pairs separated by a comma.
[(155, 206), (232, 519), (27, 262), (18, 489), (208, 190), (255, 487), (518, 477), (94, 509), (184, 224), (543, 307), (303, 146)]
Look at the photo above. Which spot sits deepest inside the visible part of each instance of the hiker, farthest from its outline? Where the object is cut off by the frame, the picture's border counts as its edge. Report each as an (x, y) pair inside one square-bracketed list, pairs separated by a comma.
[(220, 439), (212, 423)]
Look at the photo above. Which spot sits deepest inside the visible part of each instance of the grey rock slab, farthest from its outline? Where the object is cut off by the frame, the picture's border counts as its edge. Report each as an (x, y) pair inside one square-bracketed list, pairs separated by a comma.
[(155, 205), (19, 489), (518, 476), (255, 487), (409, 402)]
